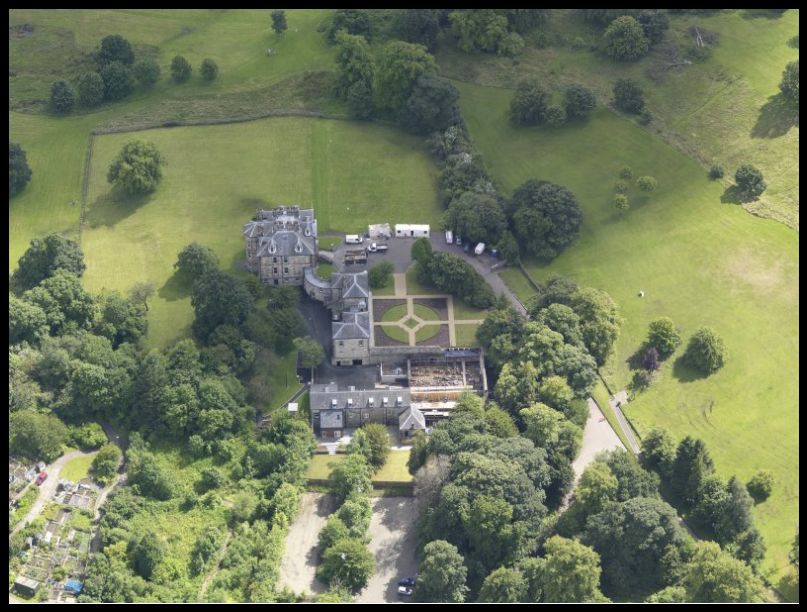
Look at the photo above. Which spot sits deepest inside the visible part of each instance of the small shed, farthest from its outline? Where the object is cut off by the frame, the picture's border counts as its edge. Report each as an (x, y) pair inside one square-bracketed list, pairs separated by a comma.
[(293, 408), (379, 230), (408, 230), (25, 586)]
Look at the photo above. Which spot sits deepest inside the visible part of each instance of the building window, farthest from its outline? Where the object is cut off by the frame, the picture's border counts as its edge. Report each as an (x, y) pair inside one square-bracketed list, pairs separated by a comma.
[(361, 342), (275, 270), (274, 259), (285, 270)]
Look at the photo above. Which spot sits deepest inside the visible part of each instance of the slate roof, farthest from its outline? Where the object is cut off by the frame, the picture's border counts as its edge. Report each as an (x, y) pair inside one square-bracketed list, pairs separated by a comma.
[(290, 230), (285, 243), (352, 284), (352, 326), (322, 396), (411, 418), (331, 419)]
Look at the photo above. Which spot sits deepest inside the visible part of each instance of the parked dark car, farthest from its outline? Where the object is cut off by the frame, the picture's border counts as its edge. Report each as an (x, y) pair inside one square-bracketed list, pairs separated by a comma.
[(408, 582)]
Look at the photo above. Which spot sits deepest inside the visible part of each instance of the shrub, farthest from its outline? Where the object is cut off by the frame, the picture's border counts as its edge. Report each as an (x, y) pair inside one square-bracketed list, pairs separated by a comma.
[(19, 173), (624, 39), (663, 336), (626, 172), (579, 101), (761, 485), (628, 96), (790, 81), (62, 97), (621, 186), (621, 202), (147, 72), (210, 70), (90, 89), (749, 180), (555, 116), (705, 351), (529, 103), (647, 183), (87, 436), (115, 48), (380, 275), (180, 69), (716, 172)]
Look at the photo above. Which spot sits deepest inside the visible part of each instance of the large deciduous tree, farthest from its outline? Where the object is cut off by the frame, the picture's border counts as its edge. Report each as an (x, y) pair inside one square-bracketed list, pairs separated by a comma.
[(136, 169), (196, 260), (692, 464), (400, 65), (90, 89), (546, 217), (790, 82), (479, 217), (347, 562), (529, 103), (310, 351), (147, 72), (579, 101), (663, 336), (569, 572), (705, 351), (442, 574), (36, 436), (19, 173), (115, 48), (749, 180), (431, 105), (624, 39), (219, 299), (352, 21), (118, 80), (479, 30), (503, 585), (354, 61), (62, 97), (714, 576)]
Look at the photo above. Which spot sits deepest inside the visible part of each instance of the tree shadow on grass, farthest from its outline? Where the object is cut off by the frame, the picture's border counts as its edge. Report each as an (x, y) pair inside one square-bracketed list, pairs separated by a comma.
[(762, 14), (684, 373), (776, 117), (789, 586), (114, 206), (734, 195), (175, 288)]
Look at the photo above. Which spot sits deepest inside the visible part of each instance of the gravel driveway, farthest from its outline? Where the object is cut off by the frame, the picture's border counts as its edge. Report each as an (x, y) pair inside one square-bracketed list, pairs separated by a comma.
[(598, 436), (299, 565)]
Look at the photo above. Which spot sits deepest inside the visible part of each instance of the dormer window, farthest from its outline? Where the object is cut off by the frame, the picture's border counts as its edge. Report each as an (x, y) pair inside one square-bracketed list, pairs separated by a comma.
[(307, 231), (272, 248), (298, 248)]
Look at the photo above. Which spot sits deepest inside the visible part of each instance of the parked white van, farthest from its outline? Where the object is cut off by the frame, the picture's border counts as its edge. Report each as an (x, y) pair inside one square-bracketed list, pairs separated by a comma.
[(480, 248), (353, 239), (449, 237)]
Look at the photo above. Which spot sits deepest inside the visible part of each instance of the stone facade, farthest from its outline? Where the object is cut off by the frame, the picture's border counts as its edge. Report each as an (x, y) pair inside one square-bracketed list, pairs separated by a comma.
[(281, 244)]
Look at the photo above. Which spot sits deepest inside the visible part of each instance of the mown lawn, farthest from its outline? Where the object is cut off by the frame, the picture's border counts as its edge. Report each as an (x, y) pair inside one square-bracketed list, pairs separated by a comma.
[(700, 262), (77, 468), (215, 176), (466, 334), (394, 470), (395, 313), (722, 109)]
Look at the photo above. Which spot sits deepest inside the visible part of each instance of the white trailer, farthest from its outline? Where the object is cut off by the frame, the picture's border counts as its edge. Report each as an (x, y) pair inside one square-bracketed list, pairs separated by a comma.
[(449, 237), (407, 230), (480, 248)]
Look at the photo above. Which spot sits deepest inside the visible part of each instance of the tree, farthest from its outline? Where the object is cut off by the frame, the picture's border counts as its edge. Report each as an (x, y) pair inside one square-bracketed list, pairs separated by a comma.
[(631, 538), (479, 29), (355, 63), (790, 82), (219, 299), (716, 172), (431, 105), (626, 172), (650, 361), (658, 451), (90, 89), (503, 585), (508, 248), (347, 562), (333, 531), (19, 173), (529, 103), (121, 320), (597, 488), (706, 351), (647, 183), (621, 186), (141, 292), (654, 24), (146, 552), (579, 101), (209, 69), (400, 66), (670, 594), (136, 169), (147, 72), (378, 437), (634, 481), (360, 100), (418, 453), (356, 513), (749, 180), (279, 24), (628, 96), (663, 336), (36, 436), (692, 464), (569, 572), (546, 216), (479, 217), (500, 423), (736, 516), (351, 476), (105, 463), (714, 576), (353, 21), (599, 321), (452, 274), (118, 81), (442, 574), (196, 260), (421, 250), (44, 257), (555, 116), (555, 392), (794, 553), (62, 97), (624, 39), (310, 351), (761, 485), (621, 202), (26, 322), (180, 69), (421, 26), (380, 275), (64, 301), (115, 48)]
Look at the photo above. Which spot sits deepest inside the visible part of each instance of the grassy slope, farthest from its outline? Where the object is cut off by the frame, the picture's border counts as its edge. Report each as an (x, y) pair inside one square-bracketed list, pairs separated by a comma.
[(700, 262), (77, 468), (718, 110), (214, 178)]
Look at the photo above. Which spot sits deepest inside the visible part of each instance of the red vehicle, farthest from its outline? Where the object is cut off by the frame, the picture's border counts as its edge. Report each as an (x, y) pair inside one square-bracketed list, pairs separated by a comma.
[(41, 478)]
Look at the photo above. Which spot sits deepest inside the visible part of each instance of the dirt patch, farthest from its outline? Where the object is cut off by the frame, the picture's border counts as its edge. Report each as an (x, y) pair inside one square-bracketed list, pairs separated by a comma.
[(440, 305), (299, 565), (21, 31), (380, 306), (393, 540), (748, 268)]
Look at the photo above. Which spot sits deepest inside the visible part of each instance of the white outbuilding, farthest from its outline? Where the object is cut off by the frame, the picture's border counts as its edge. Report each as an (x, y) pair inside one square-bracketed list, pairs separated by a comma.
[(407, 230)]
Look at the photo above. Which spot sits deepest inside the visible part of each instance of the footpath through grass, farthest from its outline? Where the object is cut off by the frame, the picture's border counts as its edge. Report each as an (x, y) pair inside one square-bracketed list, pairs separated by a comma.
[(215, 176), (700, 262)]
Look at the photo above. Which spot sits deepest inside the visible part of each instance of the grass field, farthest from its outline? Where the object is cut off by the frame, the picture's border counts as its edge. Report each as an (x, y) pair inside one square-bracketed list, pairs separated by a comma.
[(77, 468), (328, 243), (427, 332), (283, 380), (393, 331), (724, 109), (215, 176), (413, 287), (325, 270), (466, 334), (700, 262), (393, 314), (426, 313), (465, 311), (388, 290), (394, 470)]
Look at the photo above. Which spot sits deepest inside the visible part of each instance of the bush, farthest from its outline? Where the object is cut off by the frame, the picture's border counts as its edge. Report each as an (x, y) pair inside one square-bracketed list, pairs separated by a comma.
[(749, 180), (180, 69), (88, 436), (624, 39), (136, 169), (790, 81), (628, 96), (36, 436), (210, 70), (647, 183), (90, 89), (19, 173), (380, 275), (147, 72), (118, 81), (579, 101), (761, 485), (626, 172), (555, 116), (621, 186), (105, 463), (705, 352), (115, 48), (529, 103), (621, 202), (348, 563), (716, 172), (663, 336), (62, 97)]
